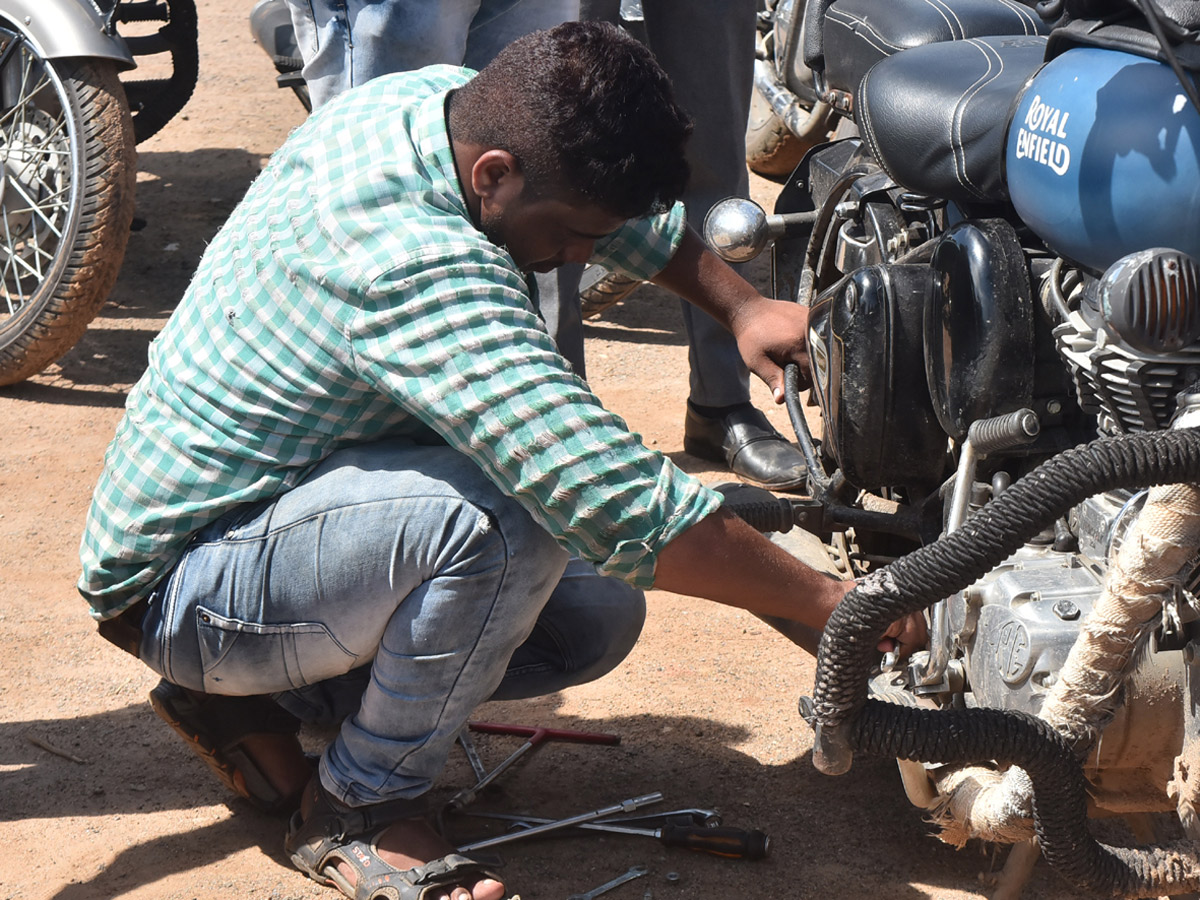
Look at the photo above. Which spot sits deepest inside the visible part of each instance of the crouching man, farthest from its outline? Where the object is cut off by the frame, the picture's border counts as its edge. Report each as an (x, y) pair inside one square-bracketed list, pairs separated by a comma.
[(358, 484)]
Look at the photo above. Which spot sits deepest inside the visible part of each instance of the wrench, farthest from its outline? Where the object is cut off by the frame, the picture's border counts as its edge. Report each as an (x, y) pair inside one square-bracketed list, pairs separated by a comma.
[(635, 872), (626, 825), (624, 806)]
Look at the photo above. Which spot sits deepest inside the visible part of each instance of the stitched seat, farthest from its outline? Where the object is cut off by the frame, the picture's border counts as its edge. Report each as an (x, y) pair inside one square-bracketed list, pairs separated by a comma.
[(859, 33), (944, 136)]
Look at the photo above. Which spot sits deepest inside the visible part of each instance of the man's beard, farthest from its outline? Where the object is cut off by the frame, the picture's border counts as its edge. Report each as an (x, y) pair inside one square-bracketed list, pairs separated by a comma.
[(492, 226)]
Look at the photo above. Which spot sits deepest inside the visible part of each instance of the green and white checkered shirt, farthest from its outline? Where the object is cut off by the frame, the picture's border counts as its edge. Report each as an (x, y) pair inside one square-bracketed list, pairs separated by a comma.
[(350, 298)]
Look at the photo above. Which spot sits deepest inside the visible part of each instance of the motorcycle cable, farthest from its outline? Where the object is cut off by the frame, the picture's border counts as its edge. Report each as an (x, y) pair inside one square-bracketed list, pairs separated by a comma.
[(1154, 18)]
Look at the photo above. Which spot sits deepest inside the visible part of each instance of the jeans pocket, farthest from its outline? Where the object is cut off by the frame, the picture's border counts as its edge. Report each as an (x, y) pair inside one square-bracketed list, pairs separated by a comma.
[(238, 657)]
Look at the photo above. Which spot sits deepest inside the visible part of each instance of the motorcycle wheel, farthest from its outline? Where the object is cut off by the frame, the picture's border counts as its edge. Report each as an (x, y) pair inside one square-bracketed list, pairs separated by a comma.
[(66, 199), (771, 149)]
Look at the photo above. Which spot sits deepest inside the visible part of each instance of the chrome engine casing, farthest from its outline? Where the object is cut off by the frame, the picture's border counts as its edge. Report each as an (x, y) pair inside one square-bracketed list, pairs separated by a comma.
[(1009, 634), (1017, 624)]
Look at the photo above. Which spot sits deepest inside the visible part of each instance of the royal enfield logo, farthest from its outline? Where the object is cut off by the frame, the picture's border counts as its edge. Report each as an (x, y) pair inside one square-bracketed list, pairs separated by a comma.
[(1012, 652), (1041, 134)]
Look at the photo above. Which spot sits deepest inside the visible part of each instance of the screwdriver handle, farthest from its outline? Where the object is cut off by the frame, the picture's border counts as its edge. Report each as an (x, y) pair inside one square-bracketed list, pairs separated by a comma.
[(737, 843)]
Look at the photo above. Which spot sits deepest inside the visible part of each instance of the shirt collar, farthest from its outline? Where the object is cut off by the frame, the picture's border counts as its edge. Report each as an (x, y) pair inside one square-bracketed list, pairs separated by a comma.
[(431, 137)]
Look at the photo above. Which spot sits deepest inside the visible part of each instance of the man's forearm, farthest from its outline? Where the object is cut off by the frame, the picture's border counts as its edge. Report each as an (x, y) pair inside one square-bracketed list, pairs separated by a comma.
[(722, 558), (702, 278)]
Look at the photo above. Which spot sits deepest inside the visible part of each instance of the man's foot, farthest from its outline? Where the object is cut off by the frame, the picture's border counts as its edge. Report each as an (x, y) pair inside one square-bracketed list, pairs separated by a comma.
[(326, 842), (741, 437), (599, 289), (250, 743)]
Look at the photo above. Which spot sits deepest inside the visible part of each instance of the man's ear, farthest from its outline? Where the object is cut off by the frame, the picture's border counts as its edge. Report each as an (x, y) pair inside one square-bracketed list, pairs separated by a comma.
[(496, 177)]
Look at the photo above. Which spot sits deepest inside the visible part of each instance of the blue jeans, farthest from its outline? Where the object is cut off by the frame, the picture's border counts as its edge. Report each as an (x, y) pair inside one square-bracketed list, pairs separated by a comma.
[(394, 589), (345, 43)]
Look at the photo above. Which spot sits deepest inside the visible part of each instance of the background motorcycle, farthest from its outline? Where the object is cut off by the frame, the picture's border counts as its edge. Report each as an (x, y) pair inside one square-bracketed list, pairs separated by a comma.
[(999, 250), (70, 115)]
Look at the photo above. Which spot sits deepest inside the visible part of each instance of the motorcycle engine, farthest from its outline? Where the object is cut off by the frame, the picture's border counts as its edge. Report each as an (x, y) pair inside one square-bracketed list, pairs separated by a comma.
[(1007, 636)]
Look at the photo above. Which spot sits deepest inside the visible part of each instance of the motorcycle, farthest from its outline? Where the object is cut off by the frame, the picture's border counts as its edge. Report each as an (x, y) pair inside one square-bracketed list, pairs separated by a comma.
[(70, 116), (995, 224)]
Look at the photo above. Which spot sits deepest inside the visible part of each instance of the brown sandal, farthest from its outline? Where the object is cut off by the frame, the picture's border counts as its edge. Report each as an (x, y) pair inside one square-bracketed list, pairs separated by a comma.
[(216, 726), (335, 833)]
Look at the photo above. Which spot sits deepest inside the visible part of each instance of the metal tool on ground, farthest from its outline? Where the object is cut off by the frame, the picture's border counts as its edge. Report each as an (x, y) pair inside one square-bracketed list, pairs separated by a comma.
[(708, 818), (624, 806), (535, 737), (681, 829), (635, 872), (468, 745)]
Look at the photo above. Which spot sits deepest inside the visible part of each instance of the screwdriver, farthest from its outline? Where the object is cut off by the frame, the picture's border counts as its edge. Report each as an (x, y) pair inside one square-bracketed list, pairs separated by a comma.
[(723, 840)]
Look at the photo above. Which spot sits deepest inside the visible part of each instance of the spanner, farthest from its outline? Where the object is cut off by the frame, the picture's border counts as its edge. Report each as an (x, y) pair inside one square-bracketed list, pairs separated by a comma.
[(635, 872)]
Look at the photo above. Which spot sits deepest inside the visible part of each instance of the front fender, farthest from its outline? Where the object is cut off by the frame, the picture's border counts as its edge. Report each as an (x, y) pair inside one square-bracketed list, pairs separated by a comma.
[(66, 28)]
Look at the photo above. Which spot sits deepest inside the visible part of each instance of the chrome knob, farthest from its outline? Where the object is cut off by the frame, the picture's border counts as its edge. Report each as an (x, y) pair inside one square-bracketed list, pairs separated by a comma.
[(736, 229)]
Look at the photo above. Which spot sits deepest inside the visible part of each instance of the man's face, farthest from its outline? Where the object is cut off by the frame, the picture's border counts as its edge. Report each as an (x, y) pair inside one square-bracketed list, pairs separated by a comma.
[(543, 234)]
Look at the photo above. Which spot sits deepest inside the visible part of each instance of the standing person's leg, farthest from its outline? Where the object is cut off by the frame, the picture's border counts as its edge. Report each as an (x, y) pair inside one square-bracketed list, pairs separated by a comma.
[(707, 49), (558, 299), (600, 11), (500, 22), (345, 43)]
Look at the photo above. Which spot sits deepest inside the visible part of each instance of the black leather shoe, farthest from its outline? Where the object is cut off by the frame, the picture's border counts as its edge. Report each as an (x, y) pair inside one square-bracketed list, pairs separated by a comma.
[(744, 441)]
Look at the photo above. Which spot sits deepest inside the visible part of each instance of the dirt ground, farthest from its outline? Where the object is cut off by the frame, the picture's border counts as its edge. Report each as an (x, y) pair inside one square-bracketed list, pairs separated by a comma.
[(99, 799)]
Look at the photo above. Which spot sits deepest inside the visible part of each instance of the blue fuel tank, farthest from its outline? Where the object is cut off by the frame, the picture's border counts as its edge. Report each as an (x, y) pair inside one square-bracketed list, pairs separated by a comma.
[(1103, 157)]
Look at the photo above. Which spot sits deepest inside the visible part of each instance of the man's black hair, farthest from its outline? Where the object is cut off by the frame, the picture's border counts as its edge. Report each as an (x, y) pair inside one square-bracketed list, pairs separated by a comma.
[(585, 109)]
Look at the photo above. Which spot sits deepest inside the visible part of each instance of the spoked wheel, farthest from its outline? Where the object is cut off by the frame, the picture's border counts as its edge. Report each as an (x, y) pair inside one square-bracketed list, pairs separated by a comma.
[(67, 180)]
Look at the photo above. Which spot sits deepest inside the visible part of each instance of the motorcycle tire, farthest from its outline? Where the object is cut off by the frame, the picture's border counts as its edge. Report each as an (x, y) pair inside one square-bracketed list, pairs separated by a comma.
[(771, 149), (154, 102), (66, 199)]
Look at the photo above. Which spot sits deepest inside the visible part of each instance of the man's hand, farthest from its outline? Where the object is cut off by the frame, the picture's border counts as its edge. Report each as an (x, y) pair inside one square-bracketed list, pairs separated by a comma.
[(770, 334), (905, 635)]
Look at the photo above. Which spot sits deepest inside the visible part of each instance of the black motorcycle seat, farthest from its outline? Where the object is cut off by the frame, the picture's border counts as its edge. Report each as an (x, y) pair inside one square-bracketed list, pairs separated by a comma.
[(936, 116), (859, 33)]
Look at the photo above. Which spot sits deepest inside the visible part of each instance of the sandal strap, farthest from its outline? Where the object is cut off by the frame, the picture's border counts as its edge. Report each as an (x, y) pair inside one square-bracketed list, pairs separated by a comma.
[(333, 823), (339, 825), (377, 880), (445, 870)]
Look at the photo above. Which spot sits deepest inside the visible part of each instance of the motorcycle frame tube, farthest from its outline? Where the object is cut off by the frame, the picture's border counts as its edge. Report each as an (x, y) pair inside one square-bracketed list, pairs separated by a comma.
[(66, 28)]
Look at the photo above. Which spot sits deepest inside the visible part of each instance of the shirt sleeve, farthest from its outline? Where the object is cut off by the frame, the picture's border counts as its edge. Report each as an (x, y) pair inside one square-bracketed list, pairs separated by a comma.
[(643, 247), (466, 354)]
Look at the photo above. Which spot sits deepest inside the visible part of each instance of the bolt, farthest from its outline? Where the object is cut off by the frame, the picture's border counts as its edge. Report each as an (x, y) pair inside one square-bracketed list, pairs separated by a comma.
[(673, 877), (1190, 656), (851, 296), (1066, 610), (847, 209)]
